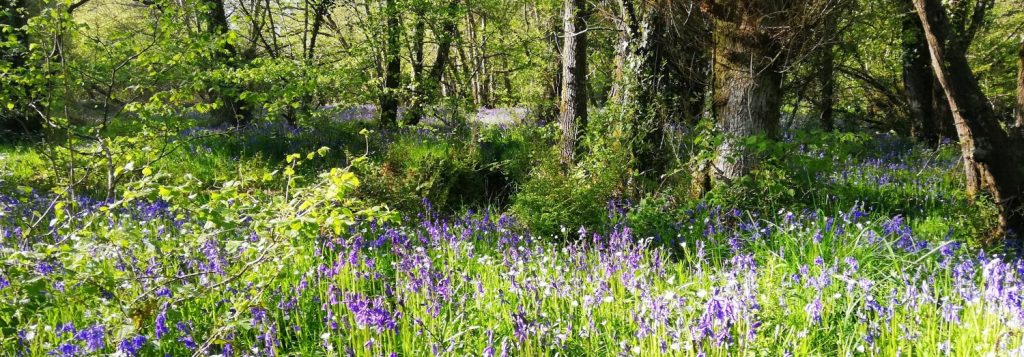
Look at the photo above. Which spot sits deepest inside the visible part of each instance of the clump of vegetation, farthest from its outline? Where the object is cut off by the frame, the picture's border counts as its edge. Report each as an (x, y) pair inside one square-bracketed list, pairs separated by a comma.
[(515, 177)]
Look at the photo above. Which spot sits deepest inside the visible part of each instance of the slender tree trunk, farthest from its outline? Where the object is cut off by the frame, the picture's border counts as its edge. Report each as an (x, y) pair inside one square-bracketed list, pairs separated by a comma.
[(548, 109), (826, 75), (415, 111), (428, 83), (826, 79), (234, 109), (573, 107), (319, 13), (444, 44), (1020, 91), (16, 20), (918, 78), (393, 66), (988, 151)]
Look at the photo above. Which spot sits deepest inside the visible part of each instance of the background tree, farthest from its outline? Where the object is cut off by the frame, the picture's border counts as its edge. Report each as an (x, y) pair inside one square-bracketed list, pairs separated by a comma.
[(918, 77), (661, 66), (393, 64), (1020, 90), (747, 79), (13, 48), (234, 109), (992, 157), (573, 108)]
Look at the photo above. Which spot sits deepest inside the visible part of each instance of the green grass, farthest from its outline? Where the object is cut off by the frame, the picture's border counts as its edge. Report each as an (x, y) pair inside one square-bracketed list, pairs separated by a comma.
[(249, 254)]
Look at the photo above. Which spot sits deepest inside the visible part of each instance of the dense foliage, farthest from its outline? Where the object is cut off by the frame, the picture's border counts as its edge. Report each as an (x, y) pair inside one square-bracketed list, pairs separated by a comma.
[(308, 270), (482, 178)]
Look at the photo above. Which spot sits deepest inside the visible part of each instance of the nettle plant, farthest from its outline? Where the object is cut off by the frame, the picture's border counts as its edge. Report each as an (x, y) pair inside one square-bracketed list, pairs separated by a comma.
[(121, 266)]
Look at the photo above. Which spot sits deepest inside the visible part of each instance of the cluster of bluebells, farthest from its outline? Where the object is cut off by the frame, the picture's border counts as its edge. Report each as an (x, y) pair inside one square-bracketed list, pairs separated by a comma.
[(728, 282)]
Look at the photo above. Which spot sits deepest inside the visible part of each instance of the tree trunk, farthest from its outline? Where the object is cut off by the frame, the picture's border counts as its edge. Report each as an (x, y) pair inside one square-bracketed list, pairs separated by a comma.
[(639, 81), (1020, 92), (826, 79), (988, 151), (687, 44), (573, 107), (428, 85), (415, 111), (918, 78), (16, 119), (16, 20), (826, 76), (234, 109), (319, 13), (393, 67), (548, 108), (747, 85), (943, 114)]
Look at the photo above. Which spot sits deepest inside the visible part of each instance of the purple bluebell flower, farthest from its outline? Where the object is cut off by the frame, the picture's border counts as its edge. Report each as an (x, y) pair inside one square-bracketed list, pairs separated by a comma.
[(160, 325), (370, 312), (259, 315), (813, 309), (131, 346), (186, 335), (489, 350), (951, 312), (67, 327), (65, 350), (93, 337)]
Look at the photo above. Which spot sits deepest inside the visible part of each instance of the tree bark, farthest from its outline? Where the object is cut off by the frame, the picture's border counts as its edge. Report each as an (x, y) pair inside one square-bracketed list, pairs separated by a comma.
[(548, 109), (747, 82), (918, 78), (826, 79), (1020, 91), (988, 151), (393, 66), (234, 109), (687, 42), (16, 19), (635, 82), (573, 107), (419, 27), (17, 119), (429, 84), (826, 76)]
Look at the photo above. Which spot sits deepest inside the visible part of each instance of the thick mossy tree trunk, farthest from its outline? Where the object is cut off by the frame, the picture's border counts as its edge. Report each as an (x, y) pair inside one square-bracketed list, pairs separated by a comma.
[(233, 110), (393, 65), (747, 83), (573, 106), (991, 156), (638, 81)]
